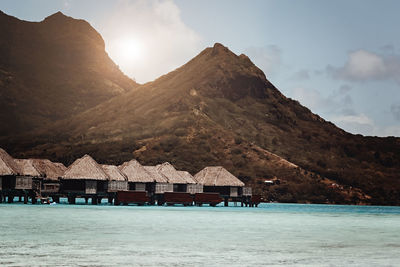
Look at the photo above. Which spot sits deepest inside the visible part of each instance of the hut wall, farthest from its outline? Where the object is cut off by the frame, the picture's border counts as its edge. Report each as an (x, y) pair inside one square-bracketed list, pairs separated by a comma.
[(8, 182), (114, 186), (247, 191), (90, 187), (234, 192), (223, 190), (194, 188), (23, 182), (161, 188), (73, 185), (102, 186)]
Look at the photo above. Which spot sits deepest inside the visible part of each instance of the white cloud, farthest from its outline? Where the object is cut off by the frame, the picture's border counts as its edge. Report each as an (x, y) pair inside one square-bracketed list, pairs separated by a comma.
[(268, 58), (395, 110), (163, 42), (301, 75), (363, 65), (362, 124)]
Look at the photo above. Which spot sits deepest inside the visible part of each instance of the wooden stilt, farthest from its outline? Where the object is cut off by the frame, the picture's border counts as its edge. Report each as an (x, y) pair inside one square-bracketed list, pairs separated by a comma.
[(10, 198), (20, 199), (94, 200), (34, 200), (99, 200), (26, 199), (226, 202), (86, 200), (110, 200)]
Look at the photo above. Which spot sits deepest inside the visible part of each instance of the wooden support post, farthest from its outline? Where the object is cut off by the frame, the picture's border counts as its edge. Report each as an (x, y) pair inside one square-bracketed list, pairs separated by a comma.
[(34, 200), (94, 200), (86, 200), (1, 198), (71, 199), (10, 198), (56, 199), (26, 199), (20, 198), (110, 200), (99, 200), (226, 203)]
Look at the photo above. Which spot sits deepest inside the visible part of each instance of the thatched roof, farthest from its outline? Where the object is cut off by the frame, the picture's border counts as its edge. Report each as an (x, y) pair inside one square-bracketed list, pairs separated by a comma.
[(7, 164), (172, 174), (49, 170), (157, 176), (136, 172), (85, 168), (113, 173), (217, 176), (187, 176), (26, 167)]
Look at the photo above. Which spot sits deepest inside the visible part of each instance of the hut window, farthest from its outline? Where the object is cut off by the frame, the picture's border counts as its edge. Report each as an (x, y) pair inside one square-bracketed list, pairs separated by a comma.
[(90, 187), (22, 182), (234, 192), (247, 191), (140, 187), (195, 188), (163, 187)]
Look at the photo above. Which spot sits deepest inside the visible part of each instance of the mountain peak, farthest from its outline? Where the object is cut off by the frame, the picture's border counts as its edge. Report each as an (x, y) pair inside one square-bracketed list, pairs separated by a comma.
[(57, 16)]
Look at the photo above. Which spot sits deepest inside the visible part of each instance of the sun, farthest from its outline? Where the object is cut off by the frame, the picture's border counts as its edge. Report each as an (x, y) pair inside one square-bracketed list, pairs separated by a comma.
[(129, 49)]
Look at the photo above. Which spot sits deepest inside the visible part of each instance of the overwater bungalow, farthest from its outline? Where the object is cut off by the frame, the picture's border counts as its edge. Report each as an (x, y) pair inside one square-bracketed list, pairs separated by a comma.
[(180, 183), (29, 180), (138, 178), (161, 182), (50, 171), (117, 179), (84, 178), (8, 173), (218, 180), (192, 186)]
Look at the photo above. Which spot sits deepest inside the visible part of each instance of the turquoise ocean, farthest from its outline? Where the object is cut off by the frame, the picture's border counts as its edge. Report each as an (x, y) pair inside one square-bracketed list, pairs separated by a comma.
[(270, 235)]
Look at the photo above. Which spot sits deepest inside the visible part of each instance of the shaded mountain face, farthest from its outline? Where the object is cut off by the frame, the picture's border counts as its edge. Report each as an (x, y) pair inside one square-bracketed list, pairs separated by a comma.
[(52, 69), (219, 109)]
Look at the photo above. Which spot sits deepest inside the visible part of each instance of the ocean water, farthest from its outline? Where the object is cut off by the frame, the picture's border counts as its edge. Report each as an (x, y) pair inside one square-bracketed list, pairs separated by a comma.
[(270, 235)]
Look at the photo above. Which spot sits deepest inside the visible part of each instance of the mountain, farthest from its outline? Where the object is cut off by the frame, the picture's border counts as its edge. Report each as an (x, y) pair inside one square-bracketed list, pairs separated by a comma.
[(219, 109), (51, 70)]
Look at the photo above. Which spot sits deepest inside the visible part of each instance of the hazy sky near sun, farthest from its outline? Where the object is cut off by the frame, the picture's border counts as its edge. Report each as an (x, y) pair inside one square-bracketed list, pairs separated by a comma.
[(339, 58)]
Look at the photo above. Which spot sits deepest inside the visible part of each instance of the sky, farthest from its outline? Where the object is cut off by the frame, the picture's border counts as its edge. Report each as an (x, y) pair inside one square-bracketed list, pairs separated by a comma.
[(341, 58)]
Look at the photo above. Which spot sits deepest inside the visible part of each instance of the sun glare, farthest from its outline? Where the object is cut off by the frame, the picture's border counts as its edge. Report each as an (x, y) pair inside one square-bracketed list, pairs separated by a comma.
[(130, 49)]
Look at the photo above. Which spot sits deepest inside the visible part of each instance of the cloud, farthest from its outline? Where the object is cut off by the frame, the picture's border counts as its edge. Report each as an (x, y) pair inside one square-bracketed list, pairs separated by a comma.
[(395, 110), (268, 58), (363, 66), (362, 124), (162, 40), (339, 101), (301, 75)]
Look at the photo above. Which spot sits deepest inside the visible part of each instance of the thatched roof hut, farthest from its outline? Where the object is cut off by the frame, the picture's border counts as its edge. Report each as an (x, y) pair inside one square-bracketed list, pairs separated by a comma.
[(114, 173), (172, 174), (217, 176), (49, 170), (85, 168), (157, 176), (187, 176), (135, 172), (7, 164), (26, 167)]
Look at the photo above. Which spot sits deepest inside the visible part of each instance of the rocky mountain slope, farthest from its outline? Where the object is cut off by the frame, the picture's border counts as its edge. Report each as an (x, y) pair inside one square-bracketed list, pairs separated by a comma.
[(219, 109), (52, 69)]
